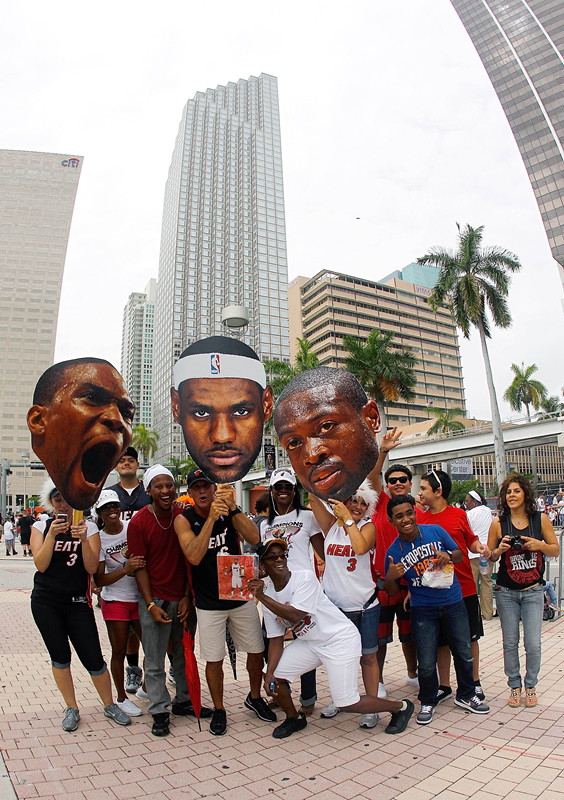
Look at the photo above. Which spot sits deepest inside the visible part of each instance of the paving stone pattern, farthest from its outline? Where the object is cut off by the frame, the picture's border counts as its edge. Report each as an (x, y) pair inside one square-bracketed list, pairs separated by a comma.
[(517, 754)]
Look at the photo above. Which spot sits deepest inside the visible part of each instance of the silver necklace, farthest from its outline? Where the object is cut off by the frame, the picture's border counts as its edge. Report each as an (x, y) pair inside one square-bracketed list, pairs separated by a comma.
[(164, 527)]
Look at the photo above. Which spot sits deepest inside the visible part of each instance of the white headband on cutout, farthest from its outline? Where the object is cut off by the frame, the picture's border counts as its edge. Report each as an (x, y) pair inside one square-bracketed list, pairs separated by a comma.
[(218, 365)]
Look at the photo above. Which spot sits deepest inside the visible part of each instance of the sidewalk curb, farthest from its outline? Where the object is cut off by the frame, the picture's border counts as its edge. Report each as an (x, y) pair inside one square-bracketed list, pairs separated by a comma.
[(7, 791)]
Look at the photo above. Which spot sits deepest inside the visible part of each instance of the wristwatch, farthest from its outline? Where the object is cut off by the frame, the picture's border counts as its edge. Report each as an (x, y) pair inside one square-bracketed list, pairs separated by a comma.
[(349, 523), (236, 510)]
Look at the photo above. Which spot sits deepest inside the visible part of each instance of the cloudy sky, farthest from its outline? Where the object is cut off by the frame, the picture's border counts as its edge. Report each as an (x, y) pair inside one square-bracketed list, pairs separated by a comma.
[(386, 111)]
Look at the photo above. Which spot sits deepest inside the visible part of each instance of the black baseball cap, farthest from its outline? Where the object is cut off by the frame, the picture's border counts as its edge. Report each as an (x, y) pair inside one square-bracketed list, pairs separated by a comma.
[(195, 476), (130, 451)]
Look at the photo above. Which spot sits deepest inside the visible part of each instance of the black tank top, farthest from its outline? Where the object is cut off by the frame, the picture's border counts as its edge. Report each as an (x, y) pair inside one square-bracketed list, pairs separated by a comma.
[(224, 539), (519, 569), (65, 580)]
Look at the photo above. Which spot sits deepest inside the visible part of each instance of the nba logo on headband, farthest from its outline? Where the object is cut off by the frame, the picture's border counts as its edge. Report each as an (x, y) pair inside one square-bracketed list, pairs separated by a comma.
[(215, 367)]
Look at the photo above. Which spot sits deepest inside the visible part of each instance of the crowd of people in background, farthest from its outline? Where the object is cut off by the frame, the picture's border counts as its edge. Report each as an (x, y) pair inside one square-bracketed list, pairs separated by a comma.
[(335, 575)]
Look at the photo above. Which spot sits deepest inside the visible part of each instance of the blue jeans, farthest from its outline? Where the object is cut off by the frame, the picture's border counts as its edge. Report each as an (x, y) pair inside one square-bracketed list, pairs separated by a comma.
[(426, 623), (367, 621), (512, 606)]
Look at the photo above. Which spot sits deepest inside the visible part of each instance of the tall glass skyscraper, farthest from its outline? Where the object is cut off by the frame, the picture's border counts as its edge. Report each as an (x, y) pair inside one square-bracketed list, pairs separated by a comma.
[(223, 239), (137, 351), (521, 45)]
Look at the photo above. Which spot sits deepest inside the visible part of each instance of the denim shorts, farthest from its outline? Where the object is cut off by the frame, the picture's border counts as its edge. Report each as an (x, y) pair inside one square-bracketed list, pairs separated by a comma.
[(367, 623)]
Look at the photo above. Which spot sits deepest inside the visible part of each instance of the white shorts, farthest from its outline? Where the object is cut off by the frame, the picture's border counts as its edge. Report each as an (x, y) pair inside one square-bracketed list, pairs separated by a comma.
[(342, 671), (236, 583), (244, 627)]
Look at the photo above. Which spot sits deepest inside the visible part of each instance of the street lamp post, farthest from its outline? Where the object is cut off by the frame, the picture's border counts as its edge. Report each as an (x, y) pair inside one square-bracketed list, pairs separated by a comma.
[(25, 459)]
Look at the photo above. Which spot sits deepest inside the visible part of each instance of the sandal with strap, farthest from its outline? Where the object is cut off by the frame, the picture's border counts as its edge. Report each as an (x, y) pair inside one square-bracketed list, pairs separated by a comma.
[(531, 698), (514, 698)]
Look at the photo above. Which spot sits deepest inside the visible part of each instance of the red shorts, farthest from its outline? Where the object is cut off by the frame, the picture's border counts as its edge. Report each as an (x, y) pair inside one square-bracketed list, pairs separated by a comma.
[(119, 610), (391, 607)]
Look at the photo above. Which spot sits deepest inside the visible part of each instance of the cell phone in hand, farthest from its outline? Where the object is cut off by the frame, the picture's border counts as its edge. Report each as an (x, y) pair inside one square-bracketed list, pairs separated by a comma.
[(62, 517)]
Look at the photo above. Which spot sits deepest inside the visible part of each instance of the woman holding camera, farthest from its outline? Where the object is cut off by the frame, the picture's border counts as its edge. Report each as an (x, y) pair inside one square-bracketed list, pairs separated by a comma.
[(66, 556), (521, 538)]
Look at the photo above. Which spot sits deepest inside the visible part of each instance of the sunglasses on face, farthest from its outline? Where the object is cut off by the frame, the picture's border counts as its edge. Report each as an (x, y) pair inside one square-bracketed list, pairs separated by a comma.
[(110, 507), (282, 487), (403, 479), (276, 557)]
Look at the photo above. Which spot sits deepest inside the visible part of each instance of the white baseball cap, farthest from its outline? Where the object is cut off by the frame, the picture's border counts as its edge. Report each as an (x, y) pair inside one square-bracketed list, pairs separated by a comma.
[(107, 496), (285, 474)]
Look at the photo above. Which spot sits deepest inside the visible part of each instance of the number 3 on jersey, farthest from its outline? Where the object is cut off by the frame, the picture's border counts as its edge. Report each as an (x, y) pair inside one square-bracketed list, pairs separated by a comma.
[(352, 565)]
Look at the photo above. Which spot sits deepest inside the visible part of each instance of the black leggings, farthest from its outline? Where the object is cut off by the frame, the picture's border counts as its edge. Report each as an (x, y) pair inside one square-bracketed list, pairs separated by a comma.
[(75, 621)]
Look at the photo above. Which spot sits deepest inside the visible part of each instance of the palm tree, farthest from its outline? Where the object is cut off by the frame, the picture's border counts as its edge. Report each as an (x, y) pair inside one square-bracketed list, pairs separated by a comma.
[(145, 440), (280, 373), (180, 468), (524, 390), (475, 280), (551, 406), (386, 373), (446, 420)]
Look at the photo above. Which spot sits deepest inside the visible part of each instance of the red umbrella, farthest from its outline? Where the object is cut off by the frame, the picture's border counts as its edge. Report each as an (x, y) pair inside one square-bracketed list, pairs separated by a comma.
[(192, 675)]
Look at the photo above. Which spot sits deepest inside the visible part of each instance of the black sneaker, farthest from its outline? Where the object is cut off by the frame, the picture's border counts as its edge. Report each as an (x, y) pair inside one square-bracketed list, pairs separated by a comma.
[(442, 693), (399, 720), (186, 709), (479, 692), (160, 724), (260, 708), (218, 724), (290, 726)]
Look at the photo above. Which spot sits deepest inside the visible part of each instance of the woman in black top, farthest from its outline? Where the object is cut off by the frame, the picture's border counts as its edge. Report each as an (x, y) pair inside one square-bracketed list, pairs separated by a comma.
[(66, 556), (521, 538)]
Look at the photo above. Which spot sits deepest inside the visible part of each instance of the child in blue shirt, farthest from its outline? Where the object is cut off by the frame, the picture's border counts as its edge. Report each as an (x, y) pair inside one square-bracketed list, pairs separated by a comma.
[(417, 548)]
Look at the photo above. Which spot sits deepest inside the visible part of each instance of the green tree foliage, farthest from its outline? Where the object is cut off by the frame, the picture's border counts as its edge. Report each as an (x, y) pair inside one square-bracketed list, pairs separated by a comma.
[(180, 468), (446, 420), (280, 373), (551, 406), (385, 371), (475, 282), (461, 488), (524, 390), (145, 440)]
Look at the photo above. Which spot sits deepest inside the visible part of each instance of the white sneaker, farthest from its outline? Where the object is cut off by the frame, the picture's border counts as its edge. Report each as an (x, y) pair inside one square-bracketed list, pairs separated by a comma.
[(330, 710), (368, 721), (129, 708), (141, 694), (412, 682), (382, 693)]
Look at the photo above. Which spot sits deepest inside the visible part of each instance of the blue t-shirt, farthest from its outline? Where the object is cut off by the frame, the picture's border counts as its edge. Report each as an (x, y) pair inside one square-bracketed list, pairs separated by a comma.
[(416, 556)]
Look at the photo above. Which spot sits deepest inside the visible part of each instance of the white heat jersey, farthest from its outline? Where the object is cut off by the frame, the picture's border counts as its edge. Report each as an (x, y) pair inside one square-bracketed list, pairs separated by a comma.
[(296, 529), (237, 573), (347, 580)]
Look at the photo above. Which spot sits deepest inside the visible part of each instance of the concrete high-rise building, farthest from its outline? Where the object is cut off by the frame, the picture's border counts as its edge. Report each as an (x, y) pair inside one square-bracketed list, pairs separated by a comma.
[(326, 307), (37, 194), (137, 351), (223, 239), (521, 45)]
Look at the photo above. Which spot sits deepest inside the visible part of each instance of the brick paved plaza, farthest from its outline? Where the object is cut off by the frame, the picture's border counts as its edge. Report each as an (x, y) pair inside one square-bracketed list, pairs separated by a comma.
[(515, 754)]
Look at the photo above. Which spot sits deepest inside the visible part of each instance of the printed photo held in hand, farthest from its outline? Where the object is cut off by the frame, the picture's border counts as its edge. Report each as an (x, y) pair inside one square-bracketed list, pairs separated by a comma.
[(234, 574), (221, 400), (80, 424), (328, 427)]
